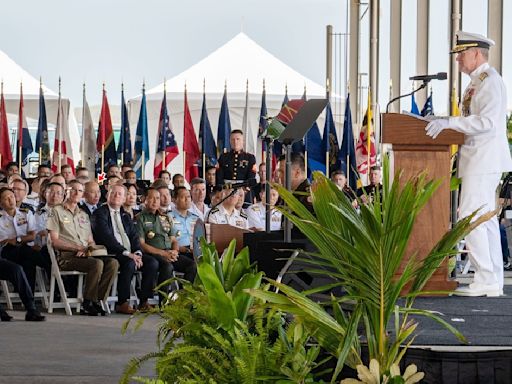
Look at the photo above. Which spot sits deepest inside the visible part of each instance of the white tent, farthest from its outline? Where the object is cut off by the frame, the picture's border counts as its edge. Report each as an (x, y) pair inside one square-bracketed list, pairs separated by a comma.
[(240, 60), (12, 75)]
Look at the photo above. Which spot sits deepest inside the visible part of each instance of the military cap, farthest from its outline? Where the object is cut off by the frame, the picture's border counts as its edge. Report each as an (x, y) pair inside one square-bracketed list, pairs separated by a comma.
[(466, 40)]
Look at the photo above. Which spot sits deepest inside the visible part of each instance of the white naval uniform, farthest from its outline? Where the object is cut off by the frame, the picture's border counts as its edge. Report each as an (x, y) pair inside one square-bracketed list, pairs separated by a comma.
[(17, 226), (256, 215), (219, 215), (483, 157), (197, 212)]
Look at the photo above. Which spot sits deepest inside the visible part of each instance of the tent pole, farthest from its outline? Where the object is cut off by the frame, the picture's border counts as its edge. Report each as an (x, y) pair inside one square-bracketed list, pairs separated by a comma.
[(143, 165)]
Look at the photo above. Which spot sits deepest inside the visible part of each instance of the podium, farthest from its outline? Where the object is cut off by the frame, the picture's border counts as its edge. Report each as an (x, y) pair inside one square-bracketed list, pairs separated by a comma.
[(413, 153), (222, 234)]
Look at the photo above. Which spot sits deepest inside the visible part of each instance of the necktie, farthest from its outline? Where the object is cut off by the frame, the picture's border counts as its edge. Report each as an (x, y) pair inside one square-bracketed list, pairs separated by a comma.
[(121, 231)]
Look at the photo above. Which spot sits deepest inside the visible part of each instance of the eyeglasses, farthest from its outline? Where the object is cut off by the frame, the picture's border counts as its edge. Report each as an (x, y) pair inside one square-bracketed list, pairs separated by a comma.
[(55, 193), (19, 189), (76, 190)]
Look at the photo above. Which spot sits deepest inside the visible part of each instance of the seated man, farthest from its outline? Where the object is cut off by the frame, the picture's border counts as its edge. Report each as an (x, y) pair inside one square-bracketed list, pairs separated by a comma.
[(256, 213), (157, 239), (113, 228), (70, 232), (226, 213), (92, 196), (368, 192), (14, 273), (20, 189), (67, 172), (183, 221), (17, 234), (198, 194)]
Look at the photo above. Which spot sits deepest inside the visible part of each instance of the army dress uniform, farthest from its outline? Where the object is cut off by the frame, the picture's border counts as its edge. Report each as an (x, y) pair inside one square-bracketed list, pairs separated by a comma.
[(219, 215), (16, 227), (156, 229), (256, 216), (235, 167), (75, 227)]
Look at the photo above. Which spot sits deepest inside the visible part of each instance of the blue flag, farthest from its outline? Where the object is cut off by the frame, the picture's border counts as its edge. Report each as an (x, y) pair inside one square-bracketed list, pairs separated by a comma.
[(316, 155), (428, 108), (330, 141), (124, 148), (42, 142), (24, 141), (414, 106), (347, 154), (141, 139), (263, 114), (206, 141), (224, 127)]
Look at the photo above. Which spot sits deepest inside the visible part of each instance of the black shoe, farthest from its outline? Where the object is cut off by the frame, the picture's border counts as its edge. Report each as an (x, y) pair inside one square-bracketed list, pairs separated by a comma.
[(89, 308), (99, 309), (34, 316), (4, 316)]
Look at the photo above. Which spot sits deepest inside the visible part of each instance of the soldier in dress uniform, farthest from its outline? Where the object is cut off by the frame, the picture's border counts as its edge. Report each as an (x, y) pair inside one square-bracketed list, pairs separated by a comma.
[(256, 213), (237, 165), (17, 234), (483, 157), (183, 221), (226, 213), (210, 176), (158, 239), (20, 189)]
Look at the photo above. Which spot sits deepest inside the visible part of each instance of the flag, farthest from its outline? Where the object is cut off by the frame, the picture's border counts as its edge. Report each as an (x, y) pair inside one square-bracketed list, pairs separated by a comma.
[(62, 151), (414, 106), (124, 147), (347, 153), (330, 144), (24, 141), (105, 144), (277, 149), (206, 141), (454, 111), (190, 145), (141, 139), (88, 144), (263, 124), (300, 145), (365, 148), (166, 144), (224, 127), (428, 108), (5, 143), (42, 142), (250, 139), (313, 146)]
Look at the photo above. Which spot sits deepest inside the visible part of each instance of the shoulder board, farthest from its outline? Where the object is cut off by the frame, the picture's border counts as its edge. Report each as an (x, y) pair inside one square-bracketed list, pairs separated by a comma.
[(1, 214), (23, 209), (243, 214), (483, 76), (41, 210), (215, 210), (255, 208)]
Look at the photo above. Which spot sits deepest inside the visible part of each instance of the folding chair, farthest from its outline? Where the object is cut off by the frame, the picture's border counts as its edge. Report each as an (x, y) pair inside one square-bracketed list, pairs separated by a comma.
[(57, 277), (14, 296)]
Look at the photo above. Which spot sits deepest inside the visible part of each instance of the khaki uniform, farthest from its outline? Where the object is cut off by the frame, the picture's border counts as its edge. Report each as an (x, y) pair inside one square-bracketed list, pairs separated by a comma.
[(75, 227)]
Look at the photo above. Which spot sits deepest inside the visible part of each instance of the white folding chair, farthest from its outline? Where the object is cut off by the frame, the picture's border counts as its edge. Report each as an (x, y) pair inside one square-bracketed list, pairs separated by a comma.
[(57, 277), (11, 296)]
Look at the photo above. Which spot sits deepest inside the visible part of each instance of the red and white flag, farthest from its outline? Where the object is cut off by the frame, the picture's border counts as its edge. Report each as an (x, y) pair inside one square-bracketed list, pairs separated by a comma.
[(190, 145), (62, 151), (5, 144)]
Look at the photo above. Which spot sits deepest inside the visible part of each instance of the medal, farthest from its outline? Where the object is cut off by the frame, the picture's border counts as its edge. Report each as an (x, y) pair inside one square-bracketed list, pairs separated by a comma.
[(150, 234)]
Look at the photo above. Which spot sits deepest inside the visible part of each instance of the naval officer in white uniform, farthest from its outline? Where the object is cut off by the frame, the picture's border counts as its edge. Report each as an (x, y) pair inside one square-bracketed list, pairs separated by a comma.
[(483, 158)]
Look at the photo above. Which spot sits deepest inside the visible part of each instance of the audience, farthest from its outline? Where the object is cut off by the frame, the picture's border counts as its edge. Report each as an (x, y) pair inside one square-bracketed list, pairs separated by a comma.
[(183, 221), (92, 197), (198, 193)]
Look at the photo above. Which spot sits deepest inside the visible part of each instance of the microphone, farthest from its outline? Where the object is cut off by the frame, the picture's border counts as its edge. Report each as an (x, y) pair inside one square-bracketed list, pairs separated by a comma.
[(427, 78), (249, 183)]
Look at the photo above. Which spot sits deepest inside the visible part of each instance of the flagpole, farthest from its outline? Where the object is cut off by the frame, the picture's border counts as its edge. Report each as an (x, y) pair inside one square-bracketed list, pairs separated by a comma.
[(20, 128), (124, 133), (59, 142), (164, 166), (41, 91), (2, 90), (83, 127), (143, 152), (368, 135), (103, 139)]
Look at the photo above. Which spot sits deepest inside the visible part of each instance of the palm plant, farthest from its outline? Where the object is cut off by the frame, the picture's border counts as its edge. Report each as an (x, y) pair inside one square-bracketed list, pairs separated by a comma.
[(363, 251), (214, 332)]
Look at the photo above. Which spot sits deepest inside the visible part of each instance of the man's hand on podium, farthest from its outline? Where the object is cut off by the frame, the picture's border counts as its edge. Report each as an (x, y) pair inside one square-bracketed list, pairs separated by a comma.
[(434, 128)]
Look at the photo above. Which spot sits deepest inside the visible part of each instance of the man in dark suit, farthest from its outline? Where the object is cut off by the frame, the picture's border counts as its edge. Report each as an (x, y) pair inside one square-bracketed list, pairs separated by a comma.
[(92, 195), (113, 228)]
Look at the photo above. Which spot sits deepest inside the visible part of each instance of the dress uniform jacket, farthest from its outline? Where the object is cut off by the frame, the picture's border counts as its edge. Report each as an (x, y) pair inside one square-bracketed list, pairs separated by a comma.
[(184, 227), (233, 166), (219, 215), (17, 226), (256, 215)]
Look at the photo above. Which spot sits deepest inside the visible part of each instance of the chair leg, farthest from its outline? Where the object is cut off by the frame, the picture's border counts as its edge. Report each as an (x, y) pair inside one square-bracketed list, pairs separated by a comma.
[(52, 292), (63, 294), (80, 292), (42, 286), (5, 289)]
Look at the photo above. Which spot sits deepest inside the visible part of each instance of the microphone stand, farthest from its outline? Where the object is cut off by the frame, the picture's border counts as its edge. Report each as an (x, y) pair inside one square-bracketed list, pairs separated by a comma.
[(423, 85)]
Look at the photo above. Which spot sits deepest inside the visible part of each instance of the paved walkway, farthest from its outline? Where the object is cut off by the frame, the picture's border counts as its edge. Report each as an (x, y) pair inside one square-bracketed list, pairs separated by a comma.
[(77, 349)]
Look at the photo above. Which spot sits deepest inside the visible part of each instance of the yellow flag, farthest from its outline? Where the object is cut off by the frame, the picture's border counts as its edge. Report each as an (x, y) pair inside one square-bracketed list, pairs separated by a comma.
[(369, 118), (455, 111)]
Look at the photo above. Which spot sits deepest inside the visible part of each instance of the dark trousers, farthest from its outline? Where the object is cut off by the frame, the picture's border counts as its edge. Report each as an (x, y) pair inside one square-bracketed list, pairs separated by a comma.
[(14, 273), (28, 258), (127, 269), (504, 243)]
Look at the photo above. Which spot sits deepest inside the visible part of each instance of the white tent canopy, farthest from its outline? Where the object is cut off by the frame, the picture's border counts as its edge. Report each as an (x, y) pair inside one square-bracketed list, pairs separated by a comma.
[(12, 76), (239, 61)]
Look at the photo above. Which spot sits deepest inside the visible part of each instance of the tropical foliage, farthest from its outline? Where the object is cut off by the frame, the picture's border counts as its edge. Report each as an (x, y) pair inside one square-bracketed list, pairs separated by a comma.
[(214, 332), (363, 252)]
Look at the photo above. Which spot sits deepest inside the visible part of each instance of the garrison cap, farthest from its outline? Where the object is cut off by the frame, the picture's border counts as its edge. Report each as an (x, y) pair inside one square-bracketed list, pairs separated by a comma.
[(466, 40)]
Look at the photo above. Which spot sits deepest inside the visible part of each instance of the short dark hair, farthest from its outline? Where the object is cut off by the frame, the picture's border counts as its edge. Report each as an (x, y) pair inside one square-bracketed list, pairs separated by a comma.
[(162, 172), (51, 184), (196, 181), (236, 131), (3, 189), (126, 165), (337, 172), (211, 167), (178, 189), (297, 159), (10, 165), (40, 166), (64, 166), (112, 165), (128, 186), (176, 175), (79, 169), (130, 171), (146, 192)]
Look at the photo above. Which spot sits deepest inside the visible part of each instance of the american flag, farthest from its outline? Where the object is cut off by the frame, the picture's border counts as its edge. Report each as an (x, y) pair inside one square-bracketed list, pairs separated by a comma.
[(166, 141)]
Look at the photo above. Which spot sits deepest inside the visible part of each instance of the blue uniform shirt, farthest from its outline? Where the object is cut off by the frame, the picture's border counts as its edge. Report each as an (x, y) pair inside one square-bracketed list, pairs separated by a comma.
[(184, 227)]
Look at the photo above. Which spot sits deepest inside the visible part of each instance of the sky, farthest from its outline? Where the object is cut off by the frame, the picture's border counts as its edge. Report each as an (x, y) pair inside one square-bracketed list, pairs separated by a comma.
[(129, 41)]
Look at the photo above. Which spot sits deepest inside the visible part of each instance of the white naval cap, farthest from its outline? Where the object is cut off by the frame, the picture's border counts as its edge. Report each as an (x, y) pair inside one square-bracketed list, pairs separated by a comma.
[(466, 40)]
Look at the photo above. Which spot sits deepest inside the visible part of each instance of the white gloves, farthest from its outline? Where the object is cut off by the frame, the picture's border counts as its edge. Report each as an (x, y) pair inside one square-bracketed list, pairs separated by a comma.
[(434, 128)]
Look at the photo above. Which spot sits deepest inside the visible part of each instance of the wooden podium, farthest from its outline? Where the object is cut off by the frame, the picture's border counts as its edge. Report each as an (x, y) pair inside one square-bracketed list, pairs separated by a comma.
[(414, 152), (222, 234)]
